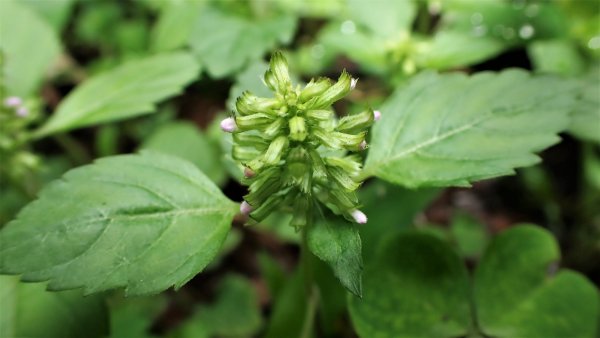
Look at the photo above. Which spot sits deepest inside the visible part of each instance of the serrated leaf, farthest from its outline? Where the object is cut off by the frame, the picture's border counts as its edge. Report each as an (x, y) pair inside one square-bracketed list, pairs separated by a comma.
[(144, 222), (338, 244), (518, 295), (28, 310), (28, 49), (185, 140), (417, 287), (585, 123), (238, 40), (452, 129), (129, 90)]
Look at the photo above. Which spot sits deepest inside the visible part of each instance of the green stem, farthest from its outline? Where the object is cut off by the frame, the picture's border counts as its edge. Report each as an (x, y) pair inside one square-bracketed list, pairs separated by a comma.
[(309, 284), (75, 150)]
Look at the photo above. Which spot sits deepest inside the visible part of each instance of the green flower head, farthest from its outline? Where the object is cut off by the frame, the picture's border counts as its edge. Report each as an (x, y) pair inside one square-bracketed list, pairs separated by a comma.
[(296, 153)]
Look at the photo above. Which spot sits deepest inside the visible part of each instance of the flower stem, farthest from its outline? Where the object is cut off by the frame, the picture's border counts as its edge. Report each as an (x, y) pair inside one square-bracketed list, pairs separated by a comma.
[(311, 289)]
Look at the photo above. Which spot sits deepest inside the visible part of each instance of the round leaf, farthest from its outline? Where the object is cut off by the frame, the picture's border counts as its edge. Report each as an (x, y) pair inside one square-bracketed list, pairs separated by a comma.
[(518, 295), (417, 287)]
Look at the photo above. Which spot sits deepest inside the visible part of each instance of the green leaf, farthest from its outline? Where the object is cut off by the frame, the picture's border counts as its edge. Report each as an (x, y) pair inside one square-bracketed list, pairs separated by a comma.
[(55, 12), (417, 287), (251, 80), (133, 317), (451, 49), (556, 56), (185, 140), (29, 46), (236, 313), (390, 209), (452, 129), (238, 39), (585, 122), (470, 236), (338, 244), (518, 294), (28, 310), (385, 18), (129, 90), (174, 25), (144, 222)]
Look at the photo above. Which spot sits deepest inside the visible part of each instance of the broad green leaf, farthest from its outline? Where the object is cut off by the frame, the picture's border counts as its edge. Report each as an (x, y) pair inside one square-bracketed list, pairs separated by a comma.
[(469, 235), (417, 287), (452, 129), (390, 209), (28, 310), (29, 47), (585, 122), (132, 317), (144, 222), (56, 12), (556, 56), (338, 244), (238, 39), (386, 18), (174, 25), (518, 293), (185, 140), (451, 49), (236, 312), (129, 90)]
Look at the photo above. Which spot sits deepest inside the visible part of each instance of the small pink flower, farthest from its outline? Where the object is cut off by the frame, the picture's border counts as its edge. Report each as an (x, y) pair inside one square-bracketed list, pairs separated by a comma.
[(248, 173), (245, 208), (22, 112), (359, 216), (376, 115), (13, 102), (228, 125)]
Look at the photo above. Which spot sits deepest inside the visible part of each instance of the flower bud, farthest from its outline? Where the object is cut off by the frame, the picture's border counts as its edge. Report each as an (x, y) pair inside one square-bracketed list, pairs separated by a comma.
[(321, 115), (314, 88), (13, 102), (353, 83), (342, 178), (356, 122), (254, 121), (333, 93), (228, 125), (245, 208), (22, 112), (248, 173), (277, 76), (274, 129), (275, 150), (376, 115), (244, 154), (297, 129), (359, 216), (363, 145)]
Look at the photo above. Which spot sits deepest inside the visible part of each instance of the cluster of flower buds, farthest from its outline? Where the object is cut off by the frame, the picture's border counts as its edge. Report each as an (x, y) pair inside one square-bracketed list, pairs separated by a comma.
[(296, 153), (15, 104)]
